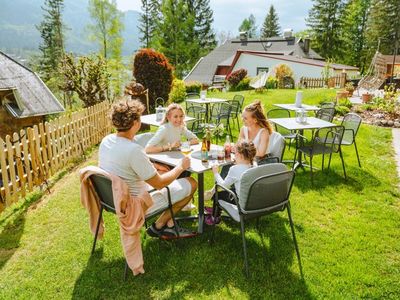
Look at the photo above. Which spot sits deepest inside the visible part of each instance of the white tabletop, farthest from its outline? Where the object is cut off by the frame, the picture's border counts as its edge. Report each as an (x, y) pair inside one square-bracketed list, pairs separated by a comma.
[(172, 158), (292, 106), (206, 100), (151, 119), (311, 123)]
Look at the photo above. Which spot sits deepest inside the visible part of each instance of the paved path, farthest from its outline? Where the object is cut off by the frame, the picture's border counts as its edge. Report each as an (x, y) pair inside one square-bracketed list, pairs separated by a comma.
[(396, 146)]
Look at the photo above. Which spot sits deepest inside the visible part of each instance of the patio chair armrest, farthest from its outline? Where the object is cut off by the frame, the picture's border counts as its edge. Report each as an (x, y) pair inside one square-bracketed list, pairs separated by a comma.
[(234, 196), (168, 194)]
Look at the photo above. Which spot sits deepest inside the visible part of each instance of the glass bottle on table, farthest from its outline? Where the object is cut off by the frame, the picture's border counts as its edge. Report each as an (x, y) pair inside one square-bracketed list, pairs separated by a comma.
[(204, 151), (227, 147), (208, 139)]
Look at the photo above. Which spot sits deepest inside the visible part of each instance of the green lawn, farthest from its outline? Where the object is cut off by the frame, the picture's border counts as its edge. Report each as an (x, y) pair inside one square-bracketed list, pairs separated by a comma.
[(347, 230)]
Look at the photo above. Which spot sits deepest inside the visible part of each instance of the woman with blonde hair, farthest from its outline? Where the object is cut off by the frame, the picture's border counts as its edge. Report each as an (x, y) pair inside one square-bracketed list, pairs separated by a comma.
[(168, 135)]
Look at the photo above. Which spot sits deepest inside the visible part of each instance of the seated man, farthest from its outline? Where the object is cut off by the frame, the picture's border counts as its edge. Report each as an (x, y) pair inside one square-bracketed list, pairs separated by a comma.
[(119, 155)]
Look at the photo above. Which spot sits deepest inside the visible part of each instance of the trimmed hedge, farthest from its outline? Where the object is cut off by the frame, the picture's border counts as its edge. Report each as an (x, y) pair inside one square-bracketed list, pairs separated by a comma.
[(178, 91), (193, 87), (153, 71), (235, 77)]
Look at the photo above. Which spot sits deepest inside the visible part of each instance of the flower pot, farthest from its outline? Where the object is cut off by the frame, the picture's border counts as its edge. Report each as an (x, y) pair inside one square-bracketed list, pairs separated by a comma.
[(341, 94), (366, 98), (350, 92)]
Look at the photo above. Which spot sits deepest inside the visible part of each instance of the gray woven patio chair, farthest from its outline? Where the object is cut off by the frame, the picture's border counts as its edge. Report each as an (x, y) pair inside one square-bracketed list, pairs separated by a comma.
[(282, 113), (325, 114), (275, 151), (264, 190), (103, 188), (351, 123)]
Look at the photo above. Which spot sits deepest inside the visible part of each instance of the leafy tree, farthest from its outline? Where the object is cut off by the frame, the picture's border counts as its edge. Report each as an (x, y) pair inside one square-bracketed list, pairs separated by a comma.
[(282, 72), (249, 25), (175, 36), (51, 31), (153, 71), (151, 10), (203, 19), (354, 31), (383, 26), (107, 26), (325, 22), (87, 76), (271, 24), (106, 30)]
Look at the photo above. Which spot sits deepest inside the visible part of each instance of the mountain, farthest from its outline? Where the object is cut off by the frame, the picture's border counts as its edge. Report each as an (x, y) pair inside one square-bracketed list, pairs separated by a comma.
[(18, 33)]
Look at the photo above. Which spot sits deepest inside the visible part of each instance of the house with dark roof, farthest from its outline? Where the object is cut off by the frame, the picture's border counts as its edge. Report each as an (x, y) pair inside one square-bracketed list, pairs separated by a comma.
[(24, 99), (257, 55), (390, 62)]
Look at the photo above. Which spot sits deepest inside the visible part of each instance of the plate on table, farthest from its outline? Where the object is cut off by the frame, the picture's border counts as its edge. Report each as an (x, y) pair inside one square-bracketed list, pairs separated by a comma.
[(212, 154)]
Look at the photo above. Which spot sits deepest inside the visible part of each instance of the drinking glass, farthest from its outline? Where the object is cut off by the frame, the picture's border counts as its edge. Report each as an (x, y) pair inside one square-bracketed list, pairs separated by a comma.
[(185, 147)]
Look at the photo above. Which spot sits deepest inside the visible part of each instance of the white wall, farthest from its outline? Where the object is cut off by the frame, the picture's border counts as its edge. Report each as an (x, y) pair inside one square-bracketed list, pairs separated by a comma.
[(251, 62)]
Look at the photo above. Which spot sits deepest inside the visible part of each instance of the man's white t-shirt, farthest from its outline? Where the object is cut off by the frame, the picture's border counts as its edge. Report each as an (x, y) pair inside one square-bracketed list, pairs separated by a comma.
[(126, 159)]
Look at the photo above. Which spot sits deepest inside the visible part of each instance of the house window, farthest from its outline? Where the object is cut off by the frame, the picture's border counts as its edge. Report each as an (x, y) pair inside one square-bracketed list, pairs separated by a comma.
[(262, 69)]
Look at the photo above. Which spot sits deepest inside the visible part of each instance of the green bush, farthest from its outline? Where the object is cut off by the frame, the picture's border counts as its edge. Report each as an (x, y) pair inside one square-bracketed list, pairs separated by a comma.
[(345, 102), (272, 83), (178, 91), (342, 110), (193, 87), (153, 71), (243, 85)]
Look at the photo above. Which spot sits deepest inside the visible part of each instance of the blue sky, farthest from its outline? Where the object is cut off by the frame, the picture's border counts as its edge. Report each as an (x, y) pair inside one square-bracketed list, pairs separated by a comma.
[(228, 14)]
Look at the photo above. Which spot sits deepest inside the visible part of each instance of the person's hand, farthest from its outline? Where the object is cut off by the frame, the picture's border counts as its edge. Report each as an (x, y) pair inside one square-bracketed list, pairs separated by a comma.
[(176, 145), (185, 163), (215, 169)]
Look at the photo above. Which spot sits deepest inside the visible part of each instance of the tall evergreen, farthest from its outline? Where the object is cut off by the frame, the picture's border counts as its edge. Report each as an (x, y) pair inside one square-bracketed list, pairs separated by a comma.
[(325, 22), (249, 25), (354, 32), (51, 31), (203, 19), (271, 24), (384, 26), (175, 35), (151, 10)]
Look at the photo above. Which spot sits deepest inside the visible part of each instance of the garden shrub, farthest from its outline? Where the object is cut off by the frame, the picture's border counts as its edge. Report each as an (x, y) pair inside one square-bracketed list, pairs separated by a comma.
[(272, 83), (153, 71), (342, 110), (193, 87), (178, 91), (235, 77), (345, 102), (243, 84), (283, 71)]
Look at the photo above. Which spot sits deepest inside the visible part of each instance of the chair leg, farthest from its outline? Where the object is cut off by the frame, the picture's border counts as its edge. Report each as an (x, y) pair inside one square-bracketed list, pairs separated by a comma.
[(294, 159), (330, 158), (358, 158), (242, 229), (237, 121), (97, 229), (294, 237), (341, 157), (323, 161), (311, 170), (126, 270)]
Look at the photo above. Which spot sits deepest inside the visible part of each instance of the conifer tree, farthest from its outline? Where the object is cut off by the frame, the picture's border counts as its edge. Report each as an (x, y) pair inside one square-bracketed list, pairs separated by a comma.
[(325, 22), (384, 26), (271, 24), (51, 31), (175, 35), (203, 19), (151, 11), (354, 31)]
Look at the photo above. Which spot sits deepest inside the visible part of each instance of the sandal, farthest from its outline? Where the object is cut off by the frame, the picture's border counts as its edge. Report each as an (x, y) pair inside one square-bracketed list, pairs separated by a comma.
[(211, 220), (169, 233)]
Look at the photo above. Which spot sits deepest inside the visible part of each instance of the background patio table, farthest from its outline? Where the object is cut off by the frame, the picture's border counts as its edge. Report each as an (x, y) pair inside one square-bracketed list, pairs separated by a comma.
[(293, 107), (292, 124), (172, 158), (207, 102), (151, 119)]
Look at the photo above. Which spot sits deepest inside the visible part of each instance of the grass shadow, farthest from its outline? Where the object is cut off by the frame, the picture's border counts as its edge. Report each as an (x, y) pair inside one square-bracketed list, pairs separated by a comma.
[(192, 267)]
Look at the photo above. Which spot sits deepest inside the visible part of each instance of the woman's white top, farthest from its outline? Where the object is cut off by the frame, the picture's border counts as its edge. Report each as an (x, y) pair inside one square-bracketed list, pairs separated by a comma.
[(256, 141), (169, 133), (233, 177)]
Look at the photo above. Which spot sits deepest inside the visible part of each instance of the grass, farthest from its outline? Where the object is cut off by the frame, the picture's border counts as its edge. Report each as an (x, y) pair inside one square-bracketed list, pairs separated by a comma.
[(347, 230)]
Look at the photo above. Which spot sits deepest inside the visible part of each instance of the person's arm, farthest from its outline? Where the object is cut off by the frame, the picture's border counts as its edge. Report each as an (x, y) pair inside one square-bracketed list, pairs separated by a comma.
[(229, 180), (160, 181), (154, 145), (264, 142), (191, 137)]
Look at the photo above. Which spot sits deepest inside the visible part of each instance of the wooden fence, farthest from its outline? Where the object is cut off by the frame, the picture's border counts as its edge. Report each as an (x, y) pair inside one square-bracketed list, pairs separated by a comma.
[(28, 159), (337, 81)]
